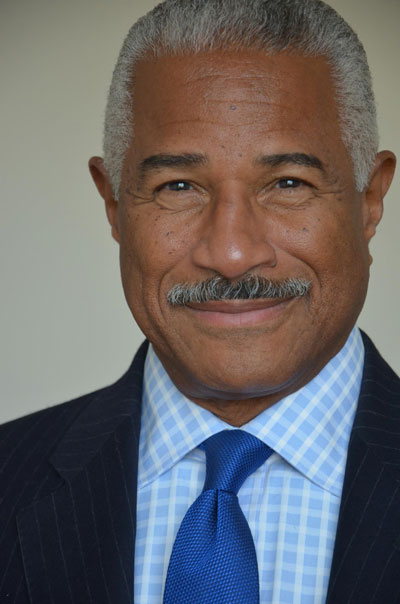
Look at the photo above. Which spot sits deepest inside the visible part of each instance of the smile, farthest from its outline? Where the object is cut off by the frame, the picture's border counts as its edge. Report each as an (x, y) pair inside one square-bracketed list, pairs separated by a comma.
[(239, 313)]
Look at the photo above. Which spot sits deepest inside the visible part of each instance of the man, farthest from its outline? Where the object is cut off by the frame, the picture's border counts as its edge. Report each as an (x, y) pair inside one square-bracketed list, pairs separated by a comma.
[(242, 181)]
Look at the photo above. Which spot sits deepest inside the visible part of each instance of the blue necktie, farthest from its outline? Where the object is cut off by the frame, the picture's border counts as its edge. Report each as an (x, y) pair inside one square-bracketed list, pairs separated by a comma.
[(214, 560)]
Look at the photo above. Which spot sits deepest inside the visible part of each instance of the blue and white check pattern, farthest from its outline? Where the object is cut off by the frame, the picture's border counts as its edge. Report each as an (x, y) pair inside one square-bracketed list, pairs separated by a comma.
[(291, 502)]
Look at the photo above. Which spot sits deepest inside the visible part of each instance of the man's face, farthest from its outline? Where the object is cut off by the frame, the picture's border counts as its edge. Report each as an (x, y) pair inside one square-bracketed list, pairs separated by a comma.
[(237, 167)]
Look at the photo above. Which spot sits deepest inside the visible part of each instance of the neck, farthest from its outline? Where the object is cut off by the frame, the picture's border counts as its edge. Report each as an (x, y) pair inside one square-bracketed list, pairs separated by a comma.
[(237, 412)]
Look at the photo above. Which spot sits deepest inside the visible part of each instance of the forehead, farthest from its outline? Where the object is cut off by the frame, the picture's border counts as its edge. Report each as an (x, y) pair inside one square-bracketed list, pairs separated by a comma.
[(204, 101)]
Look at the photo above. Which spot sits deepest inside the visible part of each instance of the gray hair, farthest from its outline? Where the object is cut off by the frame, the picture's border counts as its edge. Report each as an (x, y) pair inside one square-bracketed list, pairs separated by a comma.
[(251, 287), (309, 27)]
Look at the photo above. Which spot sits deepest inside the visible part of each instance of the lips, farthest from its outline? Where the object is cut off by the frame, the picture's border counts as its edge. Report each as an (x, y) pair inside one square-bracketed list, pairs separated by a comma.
[(239, 313), (235, 306)]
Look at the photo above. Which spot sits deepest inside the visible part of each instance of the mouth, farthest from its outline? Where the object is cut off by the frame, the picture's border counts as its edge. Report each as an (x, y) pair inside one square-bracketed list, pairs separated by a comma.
[(239, 313)]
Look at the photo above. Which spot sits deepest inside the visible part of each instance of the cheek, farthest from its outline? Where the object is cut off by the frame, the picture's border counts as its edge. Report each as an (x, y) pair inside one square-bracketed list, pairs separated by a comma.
[(152, 244), (338, 255), (329, 241), (332, 235)]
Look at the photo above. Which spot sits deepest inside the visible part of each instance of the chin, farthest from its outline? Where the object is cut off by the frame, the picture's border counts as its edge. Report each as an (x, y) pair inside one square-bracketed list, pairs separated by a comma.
[(240, 378)]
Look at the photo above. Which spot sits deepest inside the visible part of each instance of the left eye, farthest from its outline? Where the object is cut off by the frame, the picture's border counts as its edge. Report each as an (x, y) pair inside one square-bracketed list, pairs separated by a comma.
[(179, 185), (289, 183)]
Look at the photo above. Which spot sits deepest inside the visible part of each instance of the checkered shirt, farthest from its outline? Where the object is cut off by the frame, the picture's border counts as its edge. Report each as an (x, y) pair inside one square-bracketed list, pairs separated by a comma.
[(291, 502)]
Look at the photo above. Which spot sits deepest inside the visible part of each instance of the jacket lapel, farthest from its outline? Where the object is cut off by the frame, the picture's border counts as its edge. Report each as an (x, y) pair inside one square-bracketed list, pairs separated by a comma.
[(78, 539), (366, 560)]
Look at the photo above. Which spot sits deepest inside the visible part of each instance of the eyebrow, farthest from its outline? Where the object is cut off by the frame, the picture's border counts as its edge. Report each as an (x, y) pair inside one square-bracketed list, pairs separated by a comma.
[(186, 160), (299, 159), (167, 160)]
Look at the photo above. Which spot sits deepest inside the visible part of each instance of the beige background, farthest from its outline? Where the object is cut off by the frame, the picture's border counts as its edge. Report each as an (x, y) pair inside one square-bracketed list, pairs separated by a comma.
[(65, 328)]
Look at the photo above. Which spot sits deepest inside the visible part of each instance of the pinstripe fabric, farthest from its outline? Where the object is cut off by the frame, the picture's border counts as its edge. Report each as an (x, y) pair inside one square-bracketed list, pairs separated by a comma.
[(366, 562), (25, 446), (291, 503), (68, 498)]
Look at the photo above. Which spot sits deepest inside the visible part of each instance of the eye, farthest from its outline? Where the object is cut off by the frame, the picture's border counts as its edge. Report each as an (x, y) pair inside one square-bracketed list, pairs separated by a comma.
[(289, 183), (177, 185), (286, 192), (179, 195)]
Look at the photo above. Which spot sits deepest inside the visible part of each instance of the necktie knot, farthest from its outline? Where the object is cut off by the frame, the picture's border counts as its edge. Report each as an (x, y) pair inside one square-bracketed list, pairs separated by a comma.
[(231, 456)]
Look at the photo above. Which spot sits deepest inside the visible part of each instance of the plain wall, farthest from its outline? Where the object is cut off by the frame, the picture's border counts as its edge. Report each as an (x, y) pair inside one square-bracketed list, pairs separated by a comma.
[(65, 328)]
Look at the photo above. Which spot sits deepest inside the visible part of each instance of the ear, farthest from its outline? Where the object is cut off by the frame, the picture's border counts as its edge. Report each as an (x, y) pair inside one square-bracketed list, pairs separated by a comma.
[(102, 182), (379, 183)]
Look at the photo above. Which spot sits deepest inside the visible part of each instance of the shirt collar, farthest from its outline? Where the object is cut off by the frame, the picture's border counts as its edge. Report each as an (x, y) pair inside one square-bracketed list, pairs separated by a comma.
[(310, 428)]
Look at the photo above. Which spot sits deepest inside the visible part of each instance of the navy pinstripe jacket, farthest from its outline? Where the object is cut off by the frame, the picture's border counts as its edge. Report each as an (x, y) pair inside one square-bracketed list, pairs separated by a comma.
[(68, 497)]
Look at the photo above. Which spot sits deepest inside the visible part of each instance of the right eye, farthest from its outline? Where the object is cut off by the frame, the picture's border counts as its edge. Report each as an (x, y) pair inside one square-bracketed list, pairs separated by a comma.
[(176, 186), (179, 195)]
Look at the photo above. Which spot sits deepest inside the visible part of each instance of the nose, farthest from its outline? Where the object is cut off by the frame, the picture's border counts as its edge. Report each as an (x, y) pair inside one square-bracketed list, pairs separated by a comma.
[(234, 237)]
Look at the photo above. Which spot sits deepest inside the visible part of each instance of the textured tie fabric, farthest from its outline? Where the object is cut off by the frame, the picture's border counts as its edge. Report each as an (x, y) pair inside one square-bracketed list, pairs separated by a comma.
[(213, 559)]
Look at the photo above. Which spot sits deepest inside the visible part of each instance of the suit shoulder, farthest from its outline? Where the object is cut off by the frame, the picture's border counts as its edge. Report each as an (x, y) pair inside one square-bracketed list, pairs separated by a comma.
[(65, 409), (377, 370), (35, 436), (46, 425)]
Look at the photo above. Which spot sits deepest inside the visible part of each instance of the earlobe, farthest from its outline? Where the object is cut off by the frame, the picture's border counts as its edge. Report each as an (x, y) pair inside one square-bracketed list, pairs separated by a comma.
[(380, 180), (102, 182)]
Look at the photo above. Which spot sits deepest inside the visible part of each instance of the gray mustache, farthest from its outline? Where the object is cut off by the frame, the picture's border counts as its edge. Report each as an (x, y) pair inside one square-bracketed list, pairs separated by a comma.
[(249, 288)]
